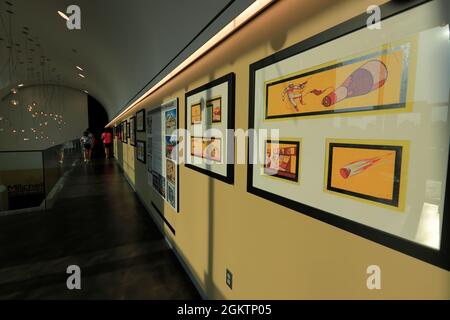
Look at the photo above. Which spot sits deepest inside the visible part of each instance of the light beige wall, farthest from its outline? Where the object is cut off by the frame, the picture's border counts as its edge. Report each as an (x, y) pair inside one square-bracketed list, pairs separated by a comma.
[(273, 252)]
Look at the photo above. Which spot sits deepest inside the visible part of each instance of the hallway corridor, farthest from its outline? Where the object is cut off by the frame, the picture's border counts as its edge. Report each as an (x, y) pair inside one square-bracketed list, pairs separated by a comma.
[(98, 224)]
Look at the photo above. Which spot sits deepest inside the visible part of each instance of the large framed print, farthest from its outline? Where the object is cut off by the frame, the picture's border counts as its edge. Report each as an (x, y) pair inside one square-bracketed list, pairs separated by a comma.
[(209, 123), (162, 151), (132, 125), (357, 130), (140, 120)]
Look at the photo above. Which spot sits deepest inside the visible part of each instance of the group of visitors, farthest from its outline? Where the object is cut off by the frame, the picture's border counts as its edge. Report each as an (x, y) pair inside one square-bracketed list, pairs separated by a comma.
[(88, 142)]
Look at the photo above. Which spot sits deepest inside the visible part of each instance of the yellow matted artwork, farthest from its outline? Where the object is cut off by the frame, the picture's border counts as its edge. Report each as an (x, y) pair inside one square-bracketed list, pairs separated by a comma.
[(282, 159), (215, 109), (207, 148), (196, 113), (371, 171), (373, 81)]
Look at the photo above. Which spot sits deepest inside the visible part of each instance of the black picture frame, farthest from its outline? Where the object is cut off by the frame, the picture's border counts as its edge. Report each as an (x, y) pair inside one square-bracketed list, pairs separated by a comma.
[(139, 114), (396, 179), (145, 151), (441, 257), (229, 78), (124, 132), (133, 130), (297, 166)]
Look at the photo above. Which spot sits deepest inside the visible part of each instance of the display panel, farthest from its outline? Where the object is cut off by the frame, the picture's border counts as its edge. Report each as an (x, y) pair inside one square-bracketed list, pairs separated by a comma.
[(162, 151), (209, 121), (370, 109)]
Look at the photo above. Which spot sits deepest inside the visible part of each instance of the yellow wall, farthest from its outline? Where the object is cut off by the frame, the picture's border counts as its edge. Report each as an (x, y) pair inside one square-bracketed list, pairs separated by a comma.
[(272, 251)]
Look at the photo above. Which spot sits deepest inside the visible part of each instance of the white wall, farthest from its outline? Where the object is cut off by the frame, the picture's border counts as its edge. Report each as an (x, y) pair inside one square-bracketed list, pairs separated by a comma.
[(71, 104)]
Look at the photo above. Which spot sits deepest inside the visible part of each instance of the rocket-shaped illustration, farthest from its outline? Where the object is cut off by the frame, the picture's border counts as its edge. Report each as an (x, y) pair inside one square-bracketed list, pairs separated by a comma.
[(370, 76), (360, 166)]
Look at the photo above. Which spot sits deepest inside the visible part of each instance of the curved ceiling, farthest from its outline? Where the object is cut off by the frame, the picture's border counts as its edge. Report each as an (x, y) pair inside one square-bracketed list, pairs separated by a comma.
[(123, 46)]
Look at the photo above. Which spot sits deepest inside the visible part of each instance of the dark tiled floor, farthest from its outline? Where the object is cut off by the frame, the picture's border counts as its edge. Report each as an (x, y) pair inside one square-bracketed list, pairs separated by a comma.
[(98, 224)]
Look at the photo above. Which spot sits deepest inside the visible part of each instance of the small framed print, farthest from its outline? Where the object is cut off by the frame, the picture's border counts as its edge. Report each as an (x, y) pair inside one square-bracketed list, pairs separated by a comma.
[(368, 171), (124, 132), (282, 159), (140, 151), (196, 113), (214, 106), (132, 126), (207, 148), (140, 121), (128, 130)]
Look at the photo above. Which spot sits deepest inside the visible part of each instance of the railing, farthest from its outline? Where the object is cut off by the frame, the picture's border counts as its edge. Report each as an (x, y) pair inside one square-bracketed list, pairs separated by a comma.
[(27, 177)]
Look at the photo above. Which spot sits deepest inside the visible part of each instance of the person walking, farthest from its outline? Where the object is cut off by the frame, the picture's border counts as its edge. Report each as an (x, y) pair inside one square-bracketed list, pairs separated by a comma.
[(86, 145), (93, 142), (107, 141)]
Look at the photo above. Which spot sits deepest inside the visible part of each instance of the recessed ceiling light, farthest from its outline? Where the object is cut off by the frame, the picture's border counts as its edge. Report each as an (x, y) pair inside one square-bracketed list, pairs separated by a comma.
[(63, 16), (85, 91), (81, 75), (80, 68), (20, 85)]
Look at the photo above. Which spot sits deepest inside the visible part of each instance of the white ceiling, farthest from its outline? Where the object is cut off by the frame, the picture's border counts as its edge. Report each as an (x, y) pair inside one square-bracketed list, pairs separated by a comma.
[(122, 44)]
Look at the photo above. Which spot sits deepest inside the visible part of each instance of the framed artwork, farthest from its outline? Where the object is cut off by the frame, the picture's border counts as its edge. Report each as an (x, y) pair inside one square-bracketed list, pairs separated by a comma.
[(196, 113), (128, 130), (370, 172), (214, 107), (208, 151), (140, 150), (162, 153), (207, 148), (368, 128), (124, 132), (282, 159), (140, 121), (352, 84), (132, 125)]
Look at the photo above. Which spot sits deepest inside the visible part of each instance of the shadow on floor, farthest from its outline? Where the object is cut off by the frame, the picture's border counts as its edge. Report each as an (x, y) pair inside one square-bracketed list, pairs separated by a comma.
[(99, 224)]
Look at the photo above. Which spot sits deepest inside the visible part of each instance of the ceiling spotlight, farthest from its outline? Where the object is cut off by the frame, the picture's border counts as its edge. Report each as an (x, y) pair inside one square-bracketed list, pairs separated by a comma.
[(14, 91), (85, 91), (21, 85), (81, 75), (79, 68), (14, 103), (63, 15), (26, 139)]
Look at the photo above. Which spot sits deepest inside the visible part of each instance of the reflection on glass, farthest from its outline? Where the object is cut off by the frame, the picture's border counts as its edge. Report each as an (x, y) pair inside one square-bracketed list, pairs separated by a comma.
[(428, 230)]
